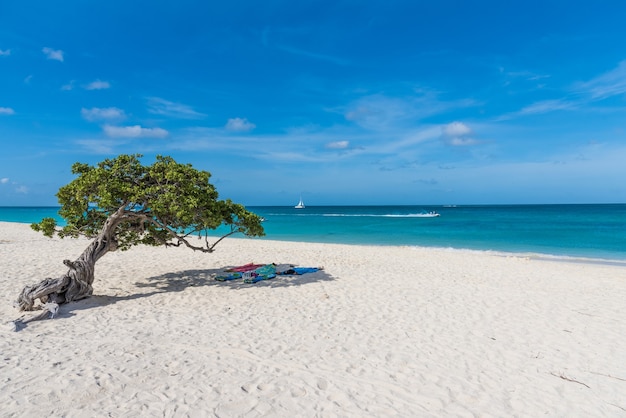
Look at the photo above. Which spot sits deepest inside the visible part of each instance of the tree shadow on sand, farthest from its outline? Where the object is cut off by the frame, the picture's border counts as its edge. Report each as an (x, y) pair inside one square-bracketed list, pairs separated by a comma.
[(181, 280), (178, 282)]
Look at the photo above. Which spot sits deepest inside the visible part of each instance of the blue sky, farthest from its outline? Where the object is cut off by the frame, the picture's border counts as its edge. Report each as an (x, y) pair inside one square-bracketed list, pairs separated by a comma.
[(344, 102)]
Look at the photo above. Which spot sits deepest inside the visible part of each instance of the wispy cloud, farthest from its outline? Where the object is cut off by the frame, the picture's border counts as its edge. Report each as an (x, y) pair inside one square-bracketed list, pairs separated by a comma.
[(6, 111), (98, 146), (239, 125), (99, 114), (404, 140), (309, 145), (338, 145), (18, 188), (525, 75), (159, 106), (283, 147), (135, 131), (457, 134), (546, 106), (53, 54), (98, 85), (380, 112), (69, 86), (5, 53), (265, 41), (611, 83)]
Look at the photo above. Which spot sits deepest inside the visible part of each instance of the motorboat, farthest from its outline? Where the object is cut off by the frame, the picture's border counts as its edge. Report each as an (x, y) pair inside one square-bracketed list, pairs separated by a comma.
[(431, 214)]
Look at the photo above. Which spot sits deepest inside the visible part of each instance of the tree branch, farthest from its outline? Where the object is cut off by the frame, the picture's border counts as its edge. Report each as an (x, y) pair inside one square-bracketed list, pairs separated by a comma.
[(218, 241)]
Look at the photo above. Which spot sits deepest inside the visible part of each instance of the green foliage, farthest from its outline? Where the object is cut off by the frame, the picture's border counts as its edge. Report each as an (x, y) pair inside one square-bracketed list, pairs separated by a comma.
[(160, 204), (46, 226)]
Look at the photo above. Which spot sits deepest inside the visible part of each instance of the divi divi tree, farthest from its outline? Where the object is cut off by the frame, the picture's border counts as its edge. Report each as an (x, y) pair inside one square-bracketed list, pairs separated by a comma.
[(120, 203)]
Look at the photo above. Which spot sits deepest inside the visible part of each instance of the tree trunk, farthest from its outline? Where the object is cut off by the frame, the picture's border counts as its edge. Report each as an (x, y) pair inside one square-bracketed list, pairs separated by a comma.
[(77, 283)]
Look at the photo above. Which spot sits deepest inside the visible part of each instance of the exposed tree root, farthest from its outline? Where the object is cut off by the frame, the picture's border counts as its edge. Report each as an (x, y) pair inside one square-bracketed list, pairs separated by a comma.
[(49, 311)]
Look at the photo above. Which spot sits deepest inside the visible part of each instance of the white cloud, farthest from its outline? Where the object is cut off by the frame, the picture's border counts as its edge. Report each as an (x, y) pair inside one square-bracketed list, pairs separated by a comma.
[(98, 85), (108, 113), (4, 180), (53, 54), (68, 86), (239, 125), (135, 131), (5, 53), (456, 129), (21, 189), (338, 145), (164, 107), (460, 141), (6, 111), (457, 134)]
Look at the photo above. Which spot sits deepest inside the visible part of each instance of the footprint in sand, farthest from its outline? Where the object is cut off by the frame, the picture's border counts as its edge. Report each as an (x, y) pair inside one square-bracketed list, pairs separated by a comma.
[(264, 386), (298, 392), (322, 384)]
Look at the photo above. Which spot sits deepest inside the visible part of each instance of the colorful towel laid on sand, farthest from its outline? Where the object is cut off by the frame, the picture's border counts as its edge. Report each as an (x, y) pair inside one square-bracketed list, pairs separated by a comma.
[(245, 267), (230, 276), (299, 270), (252, 273), (265, 272)]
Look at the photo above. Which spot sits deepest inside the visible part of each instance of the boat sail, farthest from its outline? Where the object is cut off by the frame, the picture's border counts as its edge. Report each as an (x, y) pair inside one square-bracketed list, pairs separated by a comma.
[(300, 204)]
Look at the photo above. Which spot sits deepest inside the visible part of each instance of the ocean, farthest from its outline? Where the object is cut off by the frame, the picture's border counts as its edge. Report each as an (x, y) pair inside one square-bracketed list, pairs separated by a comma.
[(589, 231)]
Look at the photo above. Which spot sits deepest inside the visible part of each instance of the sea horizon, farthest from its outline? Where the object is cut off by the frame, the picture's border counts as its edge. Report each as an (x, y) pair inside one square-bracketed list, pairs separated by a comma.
[(587, 230)]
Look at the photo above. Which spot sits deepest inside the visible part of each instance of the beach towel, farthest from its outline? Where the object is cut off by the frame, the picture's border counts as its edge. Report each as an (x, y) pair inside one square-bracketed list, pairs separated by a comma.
[(245, 267), (225, 277), (280, 268), (265, 272), (300, 270)]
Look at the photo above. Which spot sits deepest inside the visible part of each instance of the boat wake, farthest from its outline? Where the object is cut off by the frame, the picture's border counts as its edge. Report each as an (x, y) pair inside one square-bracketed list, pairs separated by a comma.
[(388, 215)]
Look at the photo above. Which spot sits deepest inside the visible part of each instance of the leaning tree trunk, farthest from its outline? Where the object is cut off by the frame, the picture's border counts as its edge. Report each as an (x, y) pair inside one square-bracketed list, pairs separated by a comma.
[(73, 285), (77, 283)]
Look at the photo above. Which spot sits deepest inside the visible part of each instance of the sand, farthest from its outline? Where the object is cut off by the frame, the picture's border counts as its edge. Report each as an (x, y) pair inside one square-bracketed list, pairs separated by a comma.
[(381, 331)]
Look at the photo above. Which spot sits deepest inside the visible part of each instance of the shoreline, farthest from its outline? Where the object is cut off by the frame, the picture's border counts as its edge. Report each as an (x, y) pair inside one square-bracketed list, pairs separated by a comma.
[(497, 253), (380, 331), (539, 256)]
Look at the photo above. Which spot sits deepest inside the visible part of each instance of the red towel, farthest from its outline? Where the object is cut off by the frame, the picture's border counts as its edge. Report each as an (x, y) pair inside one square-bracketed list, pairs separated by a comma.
[(245, 267)]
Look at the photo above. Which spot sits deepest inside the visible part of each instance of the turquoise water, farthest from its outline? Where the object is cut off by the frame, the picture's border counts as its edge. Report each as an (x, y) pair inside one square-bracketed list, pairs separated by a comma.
[(592, 231)]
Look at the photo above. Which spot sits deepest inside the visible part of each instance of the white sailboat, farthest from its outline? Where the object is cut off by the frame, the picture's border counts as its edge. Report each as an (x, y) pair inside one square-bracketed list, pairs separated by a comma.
[(300, 204)]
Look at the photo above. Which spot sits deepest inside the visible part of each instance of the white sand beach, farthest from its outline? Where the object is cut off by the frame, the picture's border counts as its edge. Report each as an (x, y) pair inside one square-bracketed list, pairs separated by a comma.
[(381, 331)]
